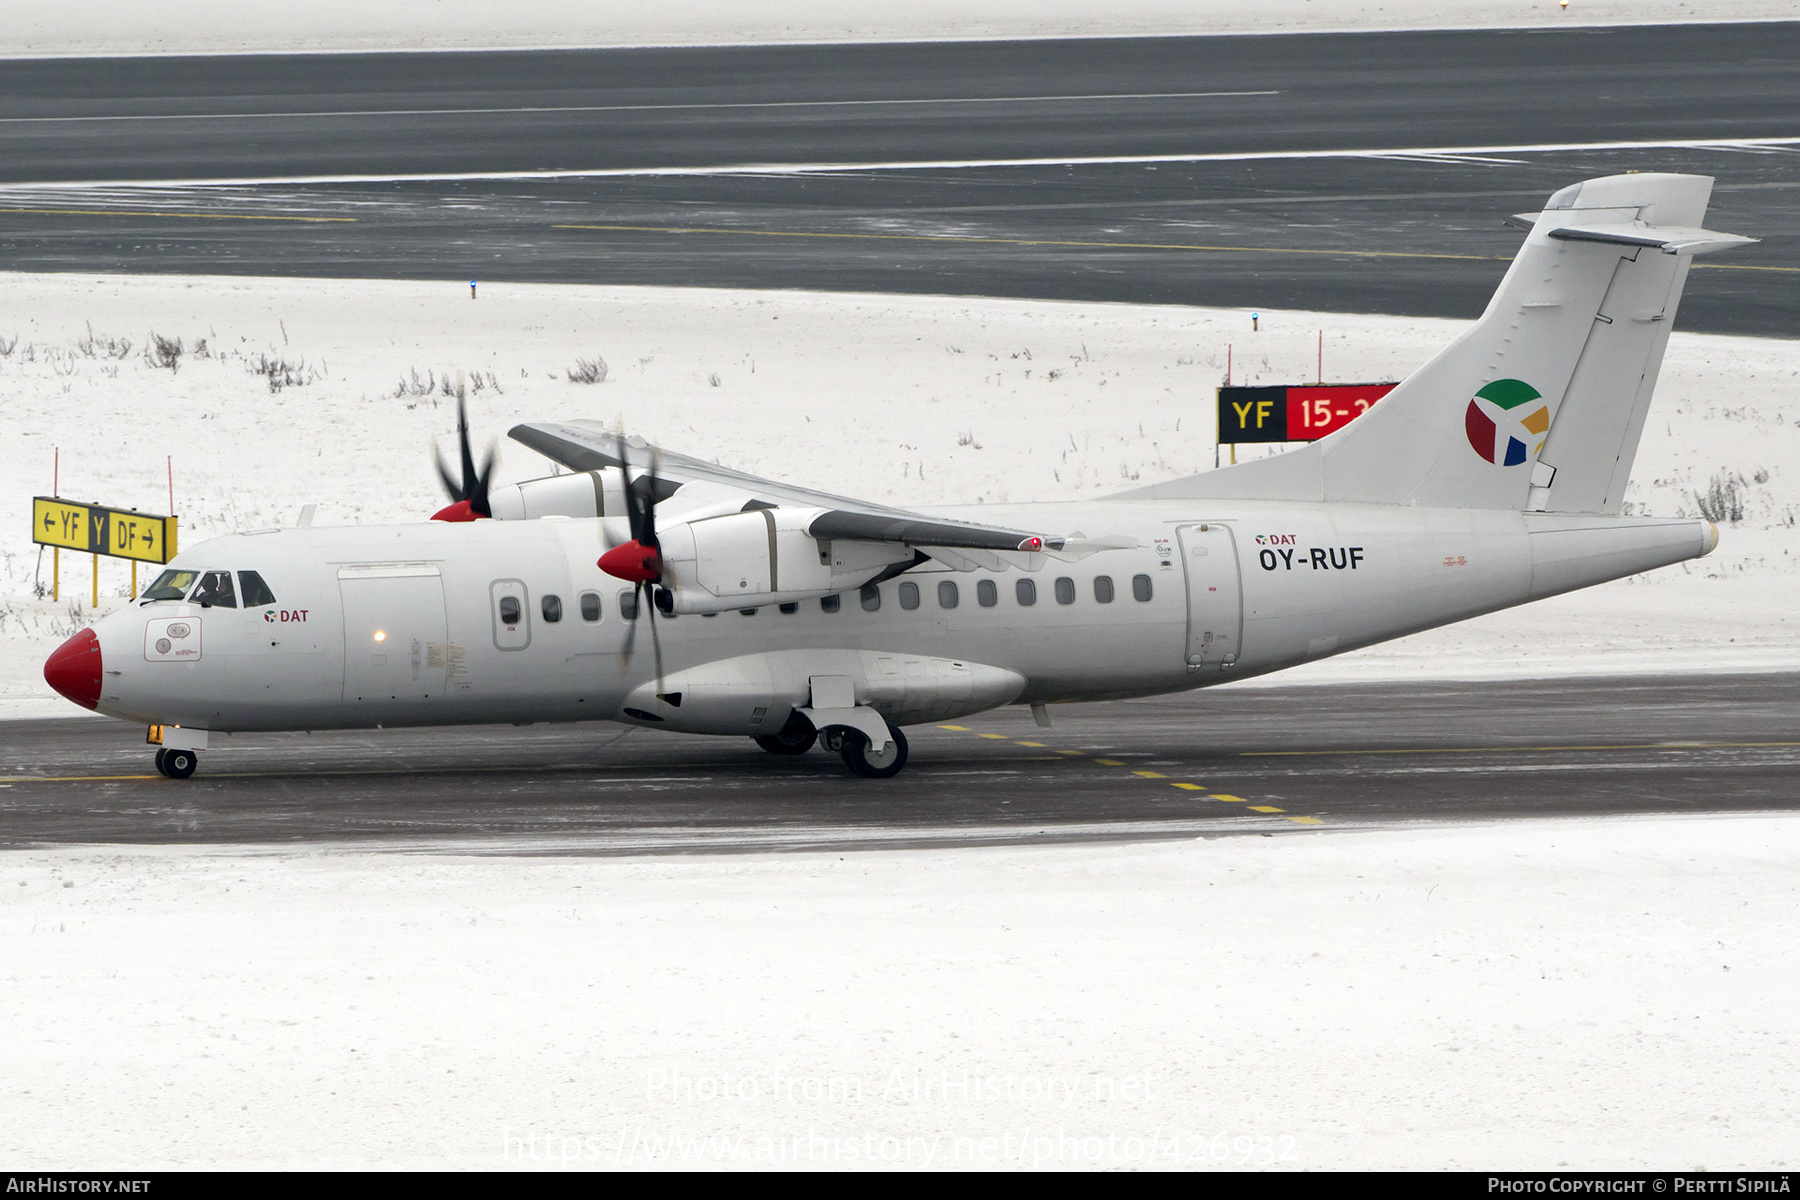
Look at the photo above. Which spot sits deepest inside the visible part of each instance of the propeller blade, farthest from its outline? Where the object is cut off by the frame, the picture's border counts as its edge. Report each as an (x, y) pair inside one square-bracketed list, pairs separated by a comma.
[(649, 599), (469, 494), (626, 646), (654, 490)]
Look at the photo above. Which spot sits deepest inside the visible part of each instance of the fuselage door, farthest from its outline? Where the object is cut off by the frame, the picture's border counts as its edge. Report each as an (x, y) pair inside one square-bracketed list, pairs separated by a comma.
[(1215, 596), (395, 633)]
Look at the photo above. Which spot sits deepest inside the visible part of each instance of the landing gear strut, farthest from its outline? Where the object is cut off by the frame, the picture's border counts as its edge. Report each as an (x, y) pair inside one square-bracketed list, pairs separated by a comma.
[(177, 764)]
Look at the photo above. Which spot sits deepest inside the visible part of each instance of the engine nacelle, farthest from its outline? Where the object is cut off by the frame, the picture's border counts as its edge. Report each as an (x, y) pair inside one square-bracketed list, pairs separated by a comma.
[(754, 694), (584, 494), (763, 556)]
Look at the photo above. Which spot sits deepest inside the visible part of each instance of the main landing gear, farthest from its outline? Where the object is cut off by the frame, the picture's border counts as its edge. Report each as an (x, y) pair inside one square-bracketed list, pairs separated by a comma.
[(177, 764), (853, 744), (798, 736)]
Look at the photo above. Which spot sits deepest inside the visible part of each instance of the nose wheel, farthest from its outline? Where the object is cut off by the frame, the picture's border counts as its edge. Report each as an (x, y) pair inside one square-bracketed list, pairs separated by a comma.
[(177, 764)]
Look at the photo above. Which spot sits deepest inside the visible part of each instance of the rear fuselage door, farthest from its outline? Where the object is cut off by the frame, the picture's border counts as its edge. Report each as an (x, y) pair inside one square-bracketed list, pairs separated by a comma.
[(1215, 596), (394, 632)]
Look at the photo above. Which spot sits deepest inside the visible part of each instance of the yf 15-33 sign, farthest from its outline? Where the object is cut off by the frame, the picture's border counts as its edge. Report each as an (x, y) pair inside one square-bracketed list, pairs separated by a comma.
[(93, 529), (1302, 413)]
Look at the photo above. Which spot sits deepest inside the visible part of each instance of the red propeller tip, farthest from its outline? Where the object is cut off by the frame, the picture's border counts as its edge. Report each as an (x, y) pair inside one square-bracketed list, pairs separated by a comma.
[(460, 511), (633, 562)]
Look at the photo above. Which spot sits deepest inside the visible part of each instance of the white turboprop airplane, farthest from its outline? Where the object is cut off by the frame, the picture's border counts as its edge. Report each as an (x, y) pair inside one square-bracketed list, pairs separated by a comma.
[(1491, 477)]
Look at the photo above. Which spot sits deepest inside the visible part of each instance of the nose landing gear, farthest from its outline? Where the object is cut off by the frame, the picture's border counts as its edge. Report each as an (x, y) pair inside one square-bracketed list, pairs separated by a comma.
[(177, 764)]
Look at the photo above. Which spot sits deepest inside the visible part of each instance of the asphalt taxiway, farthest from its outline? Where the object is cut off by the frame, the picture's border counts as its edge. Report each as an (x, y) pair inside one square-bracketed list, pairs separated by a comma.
[(1235, 760), (1337, 172)]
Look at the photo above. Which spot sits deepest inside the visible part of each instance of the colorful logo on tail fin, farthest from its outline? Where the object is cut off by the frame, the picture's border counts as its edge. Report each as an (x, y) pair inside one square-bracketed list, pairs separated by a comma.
[(1507, 421)]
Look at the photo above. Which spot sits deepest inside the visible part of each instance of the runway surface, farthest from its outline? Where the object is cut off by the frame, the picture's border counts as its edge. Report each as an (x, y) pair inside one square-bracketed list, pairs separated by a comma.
[(1252, 760), (1421, 144)]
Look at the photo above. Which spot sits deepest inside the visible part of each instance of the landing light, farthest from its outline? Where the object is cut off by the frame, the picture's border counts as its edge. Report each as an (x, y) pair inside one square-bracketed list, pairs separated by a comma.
[(381, 635)]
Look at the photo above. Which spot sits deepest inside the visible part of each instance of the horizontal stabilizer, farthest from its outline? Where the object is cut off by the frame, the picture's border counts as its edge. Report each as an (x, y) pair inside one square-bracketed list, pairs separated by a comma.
[(1668, 240)]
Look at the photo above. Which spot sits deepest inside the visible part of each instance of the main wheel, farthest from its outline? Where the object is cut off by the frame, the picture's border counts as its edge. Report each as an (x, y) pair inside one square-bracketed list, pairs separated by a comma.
[(160, 767), (796, 737), (179, 764), (871, 764)]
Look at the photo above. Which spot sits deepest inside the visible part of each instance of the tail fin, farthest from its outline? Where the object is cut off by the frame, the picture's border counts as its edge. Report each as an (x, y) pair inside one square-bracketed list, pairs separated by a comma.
[(1540, 405)]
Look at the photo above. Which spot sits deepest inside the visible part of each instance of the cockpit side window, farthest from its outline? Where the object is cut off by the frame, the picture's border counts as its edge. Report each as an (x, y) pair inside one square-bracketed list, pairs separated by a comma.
[(256, 592), (170, 585), (215, 590)]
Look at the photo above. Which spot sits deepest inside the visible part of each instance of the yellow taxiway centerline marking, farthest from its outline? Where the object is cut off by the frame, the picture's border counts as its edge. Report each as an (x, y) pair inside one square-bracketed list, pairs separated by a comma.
[(1183, 785), (1519, 749), (135, 212), (998, 241)]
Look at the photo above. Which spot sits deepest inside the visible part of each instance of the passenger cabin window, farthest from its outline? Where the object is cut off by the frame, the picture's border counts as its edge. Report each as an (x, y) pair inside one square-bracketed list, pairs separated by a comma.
[(1103, 589), (1026, 591), (871, 598), (831, 603), (1140, 587), (510, 610), (909, 595), (590, 606), (789, 609), (628, 605), (170, 585), (215, 591), (256, 592), (552, 606), (986, 594), (1065, 590), (948, 597)]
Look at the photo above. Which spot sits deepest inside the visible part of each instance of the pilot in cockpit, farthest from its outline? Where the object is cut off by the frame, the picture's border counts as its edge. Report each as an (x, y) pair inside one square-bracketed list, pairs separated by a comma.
[(215, 591)]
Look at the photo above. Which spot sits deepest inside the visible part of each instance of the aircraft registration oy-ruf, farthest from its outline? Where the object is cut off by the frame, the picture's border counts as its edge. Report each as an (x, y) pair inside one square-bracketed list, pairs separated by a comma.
[(650, 588)]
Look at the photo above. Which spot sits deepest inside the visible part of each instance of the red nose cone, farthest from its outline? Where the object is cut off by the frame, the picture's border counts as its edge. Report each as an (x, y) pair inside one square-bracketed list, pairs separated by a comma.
[(633, 562), (460, 511), (74, 669)]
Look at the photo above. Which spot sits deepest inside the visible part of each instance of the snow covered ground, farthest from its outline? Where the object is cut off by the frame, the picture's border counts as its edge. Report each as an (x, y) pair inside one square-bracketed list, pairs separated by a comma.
[(289, 392), (1604, 994), (176, 26)]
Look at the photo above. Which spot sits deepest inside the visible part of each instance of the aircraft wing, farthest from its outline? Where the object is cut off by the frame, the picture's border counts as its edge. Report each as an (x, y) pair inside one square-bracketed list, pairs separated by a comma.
[(590, 446)]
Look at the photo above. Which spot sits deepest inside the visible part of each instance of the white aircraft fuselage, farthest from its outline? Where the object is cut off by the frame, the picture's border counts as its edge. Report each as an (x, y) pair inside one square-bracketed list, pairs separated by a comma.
[(1494, 475), (401, 625)]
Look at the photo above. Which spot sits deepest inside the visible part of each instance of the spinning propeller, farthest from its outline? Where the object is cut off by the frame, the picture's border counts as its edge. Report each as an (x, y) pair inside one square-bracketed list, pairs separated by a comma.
[(470, 495), (639, 561)]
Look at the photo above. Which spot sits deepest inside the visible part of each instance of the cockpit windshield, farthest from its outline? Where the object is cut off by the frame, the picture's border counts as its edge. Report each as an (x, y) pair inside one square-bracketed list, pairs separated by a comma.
[(256, 592), (215, 591), (170, 585)]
